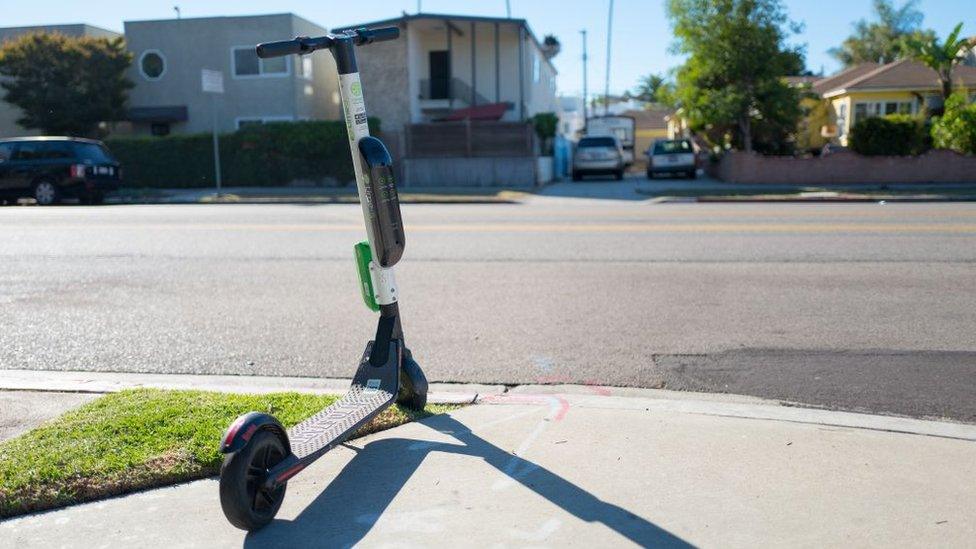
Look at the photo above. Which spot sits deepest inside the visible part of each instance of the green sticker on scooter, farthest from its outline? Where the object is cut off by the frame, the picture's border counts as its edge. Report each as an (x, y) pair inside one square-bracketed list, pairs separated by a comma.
[(363, 258)]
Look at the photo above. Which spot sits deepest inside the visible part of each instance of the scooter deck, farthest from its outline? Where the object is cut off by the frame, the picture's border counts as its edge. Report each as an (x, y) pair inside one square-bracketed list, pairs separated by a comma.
[(374, 389)]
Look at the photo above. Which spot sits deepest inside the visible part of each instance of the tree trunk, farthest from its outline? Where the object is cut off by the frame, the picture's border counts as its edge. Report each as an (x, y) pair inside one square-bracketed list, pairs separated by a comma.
[(745, 130)]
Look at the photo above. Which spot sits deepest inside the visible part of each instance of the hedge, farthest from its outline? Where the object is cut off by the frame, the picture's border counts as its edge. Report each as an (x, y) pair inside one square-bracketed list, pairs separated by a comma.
[(271, 154), (896, 134)]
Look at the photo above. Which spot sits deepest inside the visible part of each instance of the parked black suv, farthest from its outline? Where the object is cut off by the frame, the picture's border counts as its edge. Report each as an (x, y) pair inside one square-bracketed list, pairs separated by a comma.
[(51, 168)]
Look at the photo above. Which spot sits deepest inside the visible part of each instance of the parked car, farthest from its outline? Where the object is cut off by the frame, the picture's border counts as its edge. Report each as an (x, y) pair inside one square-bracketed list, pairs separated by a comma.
[(48, 169), (598, 155), (672, 156)]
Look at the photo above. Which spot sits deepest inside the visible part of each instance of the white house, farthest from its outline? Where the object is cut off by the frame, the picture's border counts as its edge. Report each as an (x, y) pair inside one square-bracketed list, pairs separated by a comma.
[(445, 63)]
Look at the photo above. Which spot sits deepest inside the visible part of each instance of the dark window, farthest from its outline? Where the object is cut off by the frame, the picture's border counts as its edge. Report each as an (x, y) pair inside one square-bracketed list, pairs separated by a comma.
[(672, 147), (587, 142), (5, 150), (94, 152), (440, 74), (159, 129), (152, 65), (246, 62), (40, 150), (274, 65)]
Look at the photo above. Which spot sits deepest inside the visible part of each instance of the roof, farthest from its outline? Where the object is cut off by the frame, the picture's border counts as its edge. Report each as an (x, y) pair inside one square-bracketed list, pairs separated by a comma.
[(904, 74), (442, 16), (70, 29), (801, 80), (824, 84), (649, 119), (48, 138)]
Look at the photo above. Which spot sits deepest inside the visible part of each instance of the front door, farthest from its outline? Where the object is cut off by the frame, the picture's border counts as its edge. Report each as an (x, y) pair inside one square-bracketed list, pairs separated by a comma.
[(440, 74)]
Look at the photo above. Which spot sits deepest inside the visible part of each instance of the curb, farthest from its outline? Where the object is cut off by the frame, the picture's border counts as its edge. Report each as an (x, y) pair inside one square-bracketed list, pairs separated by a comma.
[(567, 396)]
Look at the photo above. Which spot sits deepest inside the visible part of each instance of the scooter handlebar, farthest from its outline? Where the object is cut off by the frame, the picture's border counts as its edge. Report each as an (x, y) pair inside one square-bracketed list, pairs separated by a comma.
[(304, 44), (281, 48), (368, 36)]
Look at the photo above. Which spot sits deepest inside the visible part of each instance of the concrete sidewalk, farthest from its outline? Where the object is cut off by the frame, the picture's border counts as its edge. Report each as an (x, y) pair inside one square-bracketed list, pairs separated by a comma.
[(575, 466), (313, 195)]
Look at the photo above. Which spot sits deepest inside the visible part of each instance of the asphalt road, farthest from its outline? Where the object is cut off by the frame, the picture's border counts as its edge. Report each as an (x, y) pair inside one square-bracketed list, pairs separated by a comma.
[(850, 306)]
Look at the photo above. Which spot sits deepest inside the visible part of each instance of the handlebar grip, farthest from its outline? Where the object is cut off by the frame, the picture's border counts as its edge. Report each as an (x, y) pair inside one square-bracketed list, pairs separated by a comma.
[(279, 49), (368, 36)]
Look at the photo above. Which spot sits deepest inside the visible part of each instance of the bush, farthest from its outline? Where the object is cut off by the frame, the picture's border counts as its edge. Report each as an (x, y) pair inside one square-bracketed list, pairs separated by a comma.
[(266, 155), (545, 124), (956, 128), (895, 135)]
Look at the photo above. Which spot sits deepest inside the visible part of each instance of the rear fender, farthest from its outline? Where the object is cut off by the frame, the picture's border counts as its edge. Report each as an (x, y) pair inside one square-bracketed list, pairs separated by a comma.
[(244, 428)]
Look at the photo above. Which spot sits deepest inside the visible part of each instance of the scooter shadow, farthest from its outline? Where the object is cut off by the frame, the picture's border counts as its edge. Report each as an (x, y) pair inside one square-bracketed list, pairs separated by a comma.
[(353, 502)]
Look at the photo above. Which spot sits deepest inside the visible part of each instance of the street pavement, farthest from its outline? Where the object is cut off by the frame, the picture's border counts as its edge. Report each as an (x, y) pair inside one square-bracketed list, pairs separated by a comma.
[(581, 469), (864, 307)]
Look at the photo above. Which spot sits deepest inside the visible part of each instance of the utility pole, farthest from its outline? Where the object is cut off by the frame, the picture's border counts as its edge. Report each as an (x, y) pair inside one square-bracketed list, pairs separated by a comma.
[(419, 6), (586, 113), (179, 15), (508, 9), (606, 84)]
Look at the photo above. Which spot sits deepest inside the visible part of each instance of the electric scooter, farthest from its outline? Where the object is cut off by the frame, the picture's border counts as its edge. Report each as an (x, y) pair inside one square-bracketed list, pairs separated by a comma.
[(261, 455)]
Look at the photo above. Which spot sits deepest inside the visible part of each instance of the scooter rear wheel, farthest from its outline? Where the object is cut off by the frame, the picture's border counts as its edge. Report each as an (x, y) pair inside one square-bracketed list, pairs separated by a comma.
[(245, 503)]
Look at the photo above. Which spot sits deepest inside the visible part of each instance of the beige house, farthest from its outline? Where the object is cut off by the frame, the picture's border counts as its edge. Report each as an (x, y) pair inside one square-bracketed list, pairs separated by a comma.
[(9, 113)]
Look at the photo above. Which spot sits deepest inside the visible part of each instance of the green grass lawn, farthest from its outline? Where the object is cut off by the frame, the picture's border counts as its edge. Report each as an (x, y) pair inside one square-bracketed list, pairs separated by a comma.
[(141, 438)]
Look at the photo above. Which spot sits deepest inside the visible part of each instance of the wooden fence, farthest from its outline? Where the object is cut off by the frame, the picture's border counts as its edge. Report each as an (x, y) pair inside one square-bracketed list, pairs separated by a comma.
[(477, 138)]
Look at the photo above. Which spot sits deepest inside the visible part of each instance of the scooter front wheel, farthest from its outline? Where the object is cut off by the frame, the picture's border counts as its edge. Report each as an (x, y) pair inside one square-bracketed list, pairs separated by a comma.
[(413, 385), (246, 504)]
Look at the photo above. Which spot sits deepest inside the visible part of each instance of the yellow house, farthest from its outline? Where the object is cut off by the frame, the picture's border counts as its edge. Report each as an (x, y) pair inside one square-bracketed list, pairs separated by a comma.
[(870, 89), (649, 124)]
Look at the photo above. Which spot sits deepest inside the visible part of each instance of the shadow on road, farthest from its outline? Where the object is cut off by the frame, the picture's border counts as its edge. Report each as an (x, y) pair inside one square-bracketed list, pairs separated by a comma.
[(354, 501)]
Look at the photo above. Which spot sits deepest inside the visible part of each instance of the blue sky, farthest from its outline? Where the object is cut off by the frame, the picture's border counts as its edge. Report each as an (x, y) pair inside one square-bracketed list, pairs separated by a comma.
[(641, 33)]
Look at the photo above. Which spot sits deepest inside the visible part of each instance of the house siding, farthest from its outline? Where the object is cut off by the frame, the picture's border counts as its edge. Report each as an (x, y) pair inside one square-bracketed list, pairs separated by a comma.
[(189, 45)]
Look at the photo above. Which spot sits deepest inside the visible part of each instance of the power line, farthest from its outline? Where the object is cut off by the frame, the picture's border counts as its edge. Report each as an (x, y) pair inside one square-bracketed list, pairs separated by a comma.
[(606, 84)]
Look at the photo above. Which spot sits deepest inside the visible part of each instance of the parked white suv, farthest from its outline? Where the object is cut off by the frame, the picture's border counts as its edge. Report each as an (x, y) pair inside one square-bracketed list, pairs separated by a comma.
[(672, 156), (598, 155)]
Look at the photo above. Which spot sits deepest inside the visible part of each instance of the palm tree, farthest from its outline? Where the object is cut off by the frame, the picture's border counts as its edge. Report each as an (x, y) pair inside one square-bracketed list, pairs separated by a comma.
[(941, 58)]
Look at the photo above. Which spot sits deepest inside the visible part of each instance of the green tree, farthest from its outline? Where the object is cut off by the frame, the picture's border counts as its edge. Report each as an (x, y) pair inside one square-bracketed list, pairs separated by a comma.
[(545, 124), (65, 85), (956, 128), (648, 87), (882, 40), (731, 86), (940, 57)]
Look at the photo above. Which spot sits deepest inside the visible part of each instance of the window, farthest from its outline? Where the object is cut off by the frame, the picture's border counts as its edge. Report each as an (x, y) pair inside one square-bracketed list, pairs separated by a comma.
[(94, 152), (536, 68), (152, 64), (5, 150), (882, 108), (41, 150), (672, 146), (588, 142), (159, 129), (306, 67), (247, 64), (246, 121), (842, 120)]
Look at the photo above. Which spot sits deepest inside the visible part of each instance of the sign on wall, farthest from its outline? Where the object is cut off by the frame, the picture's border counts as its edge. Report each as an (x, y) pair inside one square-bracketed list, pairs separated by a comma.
[(213, 81)]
